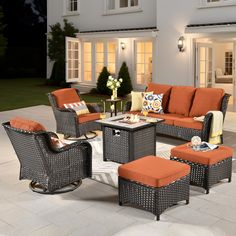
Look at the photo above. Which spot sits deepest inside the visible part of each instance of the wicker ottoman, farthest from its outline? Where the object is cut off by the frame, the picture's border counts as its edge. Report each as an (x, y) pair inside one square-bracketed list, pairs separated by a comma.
[(153, 183), (207, 168)]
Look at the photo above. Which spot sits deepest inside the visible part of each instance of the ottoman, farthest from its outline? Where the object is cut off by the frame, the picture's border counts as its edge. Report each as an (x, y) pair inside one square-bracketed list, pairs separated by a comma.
[(207, 168), (153, 183)]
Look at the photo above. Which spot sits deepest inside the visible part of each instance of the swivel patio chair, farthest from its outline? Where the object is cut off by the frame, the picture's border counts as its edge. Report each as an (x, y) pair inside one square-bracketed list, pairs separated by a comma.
[(50, 169), (68, 122)]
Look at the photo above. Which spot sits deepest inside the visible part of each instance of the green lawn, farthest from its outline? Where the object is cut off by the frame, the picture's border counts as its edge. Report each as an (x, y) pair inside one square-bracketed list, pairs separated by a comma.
[(18, 93)]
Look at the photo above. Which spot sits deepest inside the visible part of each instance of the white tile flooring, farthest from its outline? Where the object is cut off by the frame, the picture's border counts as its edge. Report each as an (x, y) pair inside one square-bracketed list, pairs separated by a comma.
[(92, 209)]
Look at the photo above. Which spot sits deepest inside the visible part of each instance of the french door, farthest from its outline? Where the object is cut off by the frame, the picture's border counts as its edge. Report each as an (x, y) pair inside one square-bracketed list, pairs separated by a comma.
[(73, 59), (205, 76)]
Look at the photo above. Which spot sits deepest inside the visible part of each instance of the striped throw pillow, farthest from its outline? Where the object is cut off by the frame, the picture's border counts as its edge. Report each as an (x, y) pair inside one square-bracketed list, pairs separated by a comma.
[(79, 107)]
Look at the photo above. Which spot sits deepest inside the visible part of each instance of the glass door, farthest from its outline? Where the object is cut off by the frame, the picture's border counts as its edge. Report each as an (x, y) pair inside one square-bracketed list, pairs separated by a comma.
[(72, 59), (205, 66)]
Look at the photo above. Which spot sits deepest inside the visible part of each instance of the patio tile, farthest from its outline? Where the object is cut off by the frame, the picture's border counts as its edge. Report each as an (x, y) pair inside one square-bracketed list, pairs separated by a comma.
[(224, 228)]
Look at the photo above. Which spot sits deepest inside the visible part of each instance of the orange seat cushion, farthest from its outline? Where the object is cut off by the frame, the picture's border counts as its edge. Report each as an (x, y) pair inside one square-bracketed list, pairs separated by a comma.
[(168, 118), (181, 98), (188, 123), (25, 124), (158, 89), (88, 117), (206, 99), (153, 171), (206, 158), (65, 96)]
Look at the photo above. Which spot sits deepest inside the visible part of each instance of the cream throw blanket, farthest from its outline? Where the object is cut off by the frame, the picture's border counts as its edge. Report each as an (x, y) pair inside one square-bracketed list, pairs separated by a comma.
[(216, 126)]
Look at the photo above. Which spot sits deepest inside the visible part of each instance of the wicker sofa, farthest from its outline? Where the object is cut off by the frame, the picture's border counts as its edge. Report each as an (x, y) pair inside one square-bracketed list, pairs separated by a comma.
[(181, 104)]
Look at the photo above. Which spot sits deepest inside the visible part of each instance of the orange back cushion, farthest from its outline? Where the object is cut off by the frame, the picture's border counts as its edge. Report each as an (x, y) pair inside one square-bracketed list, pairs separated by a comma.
[(206, 99), (158, 89), (25, 124), (64, 96), (181, 98)]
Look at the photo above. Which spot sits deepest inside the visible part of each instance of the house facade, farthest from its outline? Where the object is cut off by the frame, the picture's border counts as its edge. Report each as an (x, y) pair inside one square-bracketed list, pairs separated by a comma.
[(110, 32), (145, 34)]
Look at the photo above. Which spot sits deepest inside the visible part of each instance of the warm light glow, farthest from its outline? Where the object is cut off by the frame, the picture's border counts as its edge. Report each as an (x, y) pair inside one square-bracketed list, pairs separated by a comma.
[(123, 46)]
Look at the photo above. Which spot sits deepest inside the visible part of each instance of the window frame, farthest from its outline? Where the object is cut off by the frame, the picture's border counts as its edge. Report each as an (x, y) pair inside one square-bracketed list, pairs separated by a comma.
[(220, 3), (71, 13), (121, 10)]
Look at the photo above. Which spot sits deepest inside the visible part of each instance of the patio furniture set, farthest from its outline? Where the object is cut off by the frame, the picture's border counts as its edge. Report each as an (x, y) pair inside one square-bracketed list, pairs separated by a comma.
[(145, 180)]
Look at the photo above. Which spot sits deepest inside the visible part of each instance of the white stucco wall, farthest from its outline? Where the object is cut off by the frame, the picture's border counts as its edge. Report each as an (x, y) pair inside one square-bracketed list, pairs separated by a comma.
[(174, 67)]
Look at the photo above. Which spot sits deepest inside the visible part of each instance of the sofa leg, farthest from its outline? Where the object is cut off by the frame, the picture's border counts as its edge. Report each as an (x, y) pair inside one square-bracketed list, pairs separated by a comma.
[(157, 217)]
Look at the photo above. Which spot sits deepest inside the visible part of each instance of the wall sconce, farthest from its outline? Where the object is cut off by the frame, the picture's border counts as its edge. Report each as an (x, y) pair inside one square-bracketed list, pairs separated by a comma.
[(181, 45), (123, 46)]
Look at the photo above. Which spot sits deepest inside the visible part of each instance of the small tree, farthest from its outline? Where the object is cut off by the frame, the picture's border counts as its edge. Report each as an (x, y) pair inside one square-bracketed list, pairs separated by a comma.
[(102, 82), (3, 40), (126, 86), (56, 50)]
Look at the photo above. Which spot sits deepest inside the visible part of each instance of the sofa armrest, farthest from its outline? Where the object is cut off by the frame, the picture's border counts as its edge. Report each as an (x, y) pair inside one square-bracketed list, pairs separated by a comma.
[(127, 106)]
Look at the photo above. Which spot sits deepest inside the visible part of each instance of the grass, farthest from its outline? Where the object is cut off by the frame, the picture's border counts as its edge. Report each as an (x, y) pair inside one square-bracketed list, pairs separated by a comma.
[(26, 92)]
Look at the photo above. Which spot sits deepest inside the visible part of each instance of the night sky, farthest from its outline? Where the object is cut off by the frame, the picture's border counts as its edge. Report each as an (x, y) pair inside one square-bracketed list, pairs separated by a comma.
[(25, 30)]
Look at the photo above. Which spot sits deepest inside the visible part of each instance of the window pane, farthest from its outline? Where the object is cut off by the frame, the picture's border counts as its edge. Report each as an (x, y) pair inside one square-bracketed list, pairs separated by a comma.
[(87, 61), (123, 3), (87, 76), (134, 3), (99, 47), (148, 47), (140, 47), (112, 68), (111, 4), (87, 47), (99, 57), (111, 58), (112, 47)]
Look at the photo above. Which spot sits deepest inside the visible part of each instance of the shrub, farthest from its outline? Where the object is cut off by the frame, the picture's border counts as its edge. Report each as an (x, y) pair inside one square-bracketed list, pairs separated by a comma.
[(102, 82), (126, 86)]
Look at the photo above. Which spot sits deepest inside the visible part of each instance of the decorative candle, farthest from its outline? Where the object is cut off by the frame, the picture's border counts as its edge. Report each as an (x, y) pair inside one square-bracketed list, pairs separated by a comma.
[(112, 107)]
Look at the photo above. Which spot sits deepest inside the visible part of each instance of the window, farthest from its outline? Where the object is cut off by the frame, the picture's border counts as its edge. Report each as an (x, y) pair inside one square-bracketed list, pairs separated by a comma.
[(99, 58), (119, 6), (87, 61), (217, 3), (71, 7), (72, 59), (111, 57), (143, 62), (228, 63)]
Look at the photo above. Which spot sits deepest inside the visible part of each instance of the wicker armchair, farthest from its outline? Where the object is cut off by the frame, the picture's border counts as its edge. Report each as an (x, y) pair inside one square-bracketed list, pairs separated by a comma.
[(50, 169), (68, 122)]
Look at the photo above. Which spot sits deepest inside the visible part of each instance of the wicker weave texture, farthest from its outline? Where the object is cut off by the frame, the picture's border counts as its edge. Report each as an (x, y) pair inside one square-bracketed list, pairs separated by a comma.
[(67, 122), (42, 163), (155, 200), (206, 176), (123, 146)]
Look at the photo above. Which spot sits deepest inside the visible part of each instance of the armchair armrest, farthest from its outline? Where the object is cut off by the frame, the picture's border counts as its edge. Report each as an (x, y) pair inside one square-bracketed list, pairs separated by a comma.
[(207, 126), (94, 107)]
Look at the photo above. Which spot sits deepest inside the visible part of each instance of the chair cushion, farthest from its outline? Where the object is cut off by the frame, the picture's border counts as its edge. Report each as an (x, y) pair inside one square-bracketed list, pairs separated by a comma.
[(168, 118), (79, 107), (181, 98), (206, 158), (158, 89), (188, 123), (88, 117), (64, 96), (27, 125), (206, 99), (152, 103), (153, 171)]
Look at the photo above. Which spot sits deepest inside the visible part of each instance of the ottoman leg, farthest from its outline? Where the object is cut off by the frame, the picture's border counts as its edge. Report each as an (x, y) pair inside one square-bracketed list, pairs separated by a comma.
[(207, 191), (120, 203), (187, 201), (157, 217), (229, 180)]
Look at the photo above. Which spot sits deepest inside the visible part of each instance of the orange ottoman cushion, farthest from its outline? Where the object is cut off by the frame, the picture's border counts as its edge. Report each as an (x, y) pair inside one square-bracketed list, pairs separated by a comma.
[(153, 171), (25, 124), (65, 96), (206, 158)]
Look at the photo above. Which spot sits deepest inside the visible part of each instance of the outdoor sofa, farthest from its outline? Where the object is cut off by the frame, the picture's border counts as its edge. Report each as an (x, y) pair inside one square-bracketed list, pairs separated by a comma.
[(181, 104)]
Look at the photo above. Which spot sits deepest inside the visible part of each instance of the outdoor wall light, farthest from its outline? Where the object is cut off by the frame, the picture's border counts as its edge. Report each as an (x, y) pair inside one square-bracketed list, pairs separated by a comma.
[(181, 44), (123, 46)]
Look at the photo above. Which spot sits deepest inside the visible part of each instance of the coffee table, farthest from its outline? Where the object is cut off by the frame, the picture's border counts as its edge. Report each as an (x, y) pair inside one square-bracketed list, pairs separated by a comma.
[(125, 142)]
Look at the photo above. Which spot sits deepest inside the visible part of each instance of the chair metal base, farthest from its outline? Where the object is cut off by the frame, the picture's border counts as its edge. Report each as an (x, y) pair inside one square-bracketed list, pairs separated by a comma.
[(85, 135), (36, 187)]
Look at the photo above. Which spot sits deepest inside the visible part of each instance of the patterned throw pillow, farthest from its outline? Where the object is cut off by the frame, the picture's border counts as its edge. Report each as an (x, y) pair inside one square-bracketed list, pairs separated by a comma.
[(79, 107), (153, 103)]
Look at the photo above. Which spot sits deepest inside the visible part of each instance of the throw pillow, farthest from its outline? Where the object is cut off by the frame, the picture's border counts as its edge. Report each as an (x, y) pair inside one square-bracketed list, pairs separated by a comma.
[(137, 100), (79, 107), (153, 103)]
